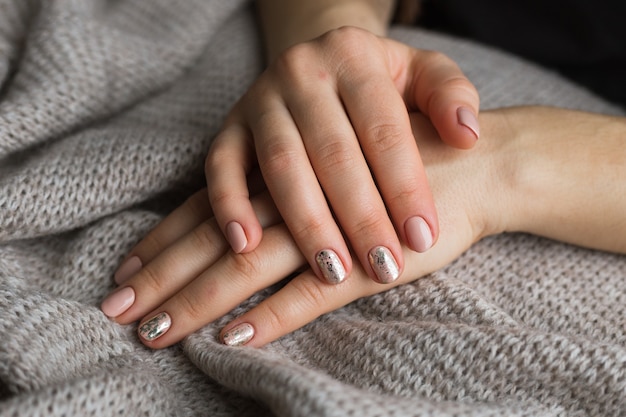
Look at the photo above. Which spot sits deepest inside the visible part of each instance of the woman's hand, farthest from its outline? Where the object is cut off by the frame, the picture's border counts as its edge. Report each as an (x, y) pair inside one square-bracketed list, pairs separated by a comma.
[(327, 124), (191, 278)]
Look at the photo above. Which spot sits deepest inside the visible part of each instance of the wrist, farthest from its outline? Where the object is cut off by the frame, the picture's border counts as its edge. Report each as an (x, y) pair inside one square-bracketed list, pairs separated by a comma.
[(494, 183), (310, 19)]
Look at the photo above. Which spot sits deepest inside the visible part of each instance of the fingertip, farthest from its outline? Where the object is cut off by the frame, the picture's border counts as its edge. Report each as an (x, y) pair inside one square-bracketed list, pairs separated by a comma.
[(457, 127)]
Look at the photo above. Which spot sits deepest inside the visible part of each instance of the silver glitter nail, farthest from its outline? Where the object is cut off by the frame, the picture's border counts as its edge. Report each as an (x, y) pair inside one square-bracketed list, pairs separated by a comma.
[(238, 335), (384, 265), (331, 266), (155, 327)]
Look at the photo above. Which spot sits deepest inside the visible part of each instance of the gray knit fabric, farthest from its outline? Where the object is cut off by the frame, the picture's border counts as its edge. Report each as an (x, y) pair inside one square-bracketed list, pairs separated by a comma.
[(107, 108)]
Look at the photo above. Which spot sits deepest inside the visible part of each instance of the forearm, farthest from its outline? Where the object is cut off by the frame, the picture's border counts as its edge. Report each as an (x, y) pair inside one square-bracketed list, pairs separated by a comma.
[(569, 176), (288, 22)]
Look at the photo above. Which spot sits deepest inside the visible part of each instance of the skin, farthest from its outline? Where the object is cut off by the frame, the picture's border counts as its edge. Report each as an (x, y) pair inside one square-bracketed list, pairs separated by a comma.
[(535, 170), (331, 136)]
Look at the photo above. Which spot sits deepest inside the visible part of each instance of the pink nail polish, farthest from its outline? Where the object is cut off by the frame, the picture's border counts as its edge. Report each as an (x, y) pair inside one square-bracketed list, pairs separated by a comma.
[(331, 266), (118, 302), (238, 335), (155, 327), (466, 118), (236, 237), (418, 234), (384, 265), (129, 268)]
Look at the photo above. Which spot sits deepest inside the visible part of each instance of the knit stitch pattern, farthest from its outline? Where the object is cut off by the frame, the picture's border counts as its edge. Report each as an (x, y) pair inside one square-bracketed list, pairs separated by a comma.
[(107, 110)]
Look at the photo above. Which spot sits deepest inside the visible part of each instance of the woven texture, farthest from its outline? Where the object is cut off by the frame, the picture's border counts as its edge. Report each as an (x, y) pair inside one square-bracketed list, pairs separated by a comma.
[(107, 109)]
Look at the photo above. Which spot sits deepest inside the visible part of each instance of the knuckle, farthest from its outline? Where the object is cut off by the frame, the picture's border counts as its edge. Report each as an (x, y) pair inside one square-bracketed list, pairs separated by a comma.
[(246, 267), (214, 160), (335, 154), (294, 62), (385, 137), (346, 38), (193, 305), (458, 82), (347, 50), (437, 58), (206, 234), (150, 280), (219, 198), (369, 223), (309, 293), (276, 318), (278, 158), (406, 195), (311, 226)]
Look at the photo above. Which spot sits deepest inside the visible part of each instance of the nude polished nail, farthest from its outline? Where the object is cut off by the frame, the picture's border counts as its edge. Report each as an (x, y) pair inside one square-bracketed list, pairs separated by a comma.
[(236, 237), (384, 265), (331, 266), (238, 335), (118, 302), (466, 118), (155, 327), (418, 234)]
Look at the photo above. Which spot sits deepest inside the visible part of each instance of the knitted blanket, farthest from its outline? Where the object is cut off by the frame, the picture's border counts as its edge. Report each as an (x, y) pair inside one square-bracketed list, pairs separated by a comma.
[(107, 109)]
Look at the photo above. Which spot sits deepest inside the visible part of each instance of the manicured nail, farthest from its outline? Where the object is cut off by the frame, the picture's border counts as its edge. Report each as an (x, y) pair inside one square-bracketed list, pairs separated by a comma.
[(331, 266), (467, 119), (384, 265), (418, 234), (236, 237), (118, 302), (238, 335), (155, 327), (129, 268)]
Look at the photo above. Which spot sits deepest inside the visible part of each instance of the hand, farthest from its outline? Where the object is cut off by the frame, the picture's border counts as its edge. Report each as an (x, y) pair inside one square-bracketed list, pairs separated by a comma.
[(191, 278), (328, 124)]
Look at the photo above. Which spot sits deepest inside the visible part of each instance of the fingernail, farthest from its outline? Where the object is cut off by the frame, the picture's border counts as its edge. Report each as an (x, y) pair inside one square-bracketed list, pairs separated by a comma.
[(331, 266), (384, 265), (155, 327), (238, 335), (418, 234), (118, 302), (466, 118), (236, 237), (129, 268)]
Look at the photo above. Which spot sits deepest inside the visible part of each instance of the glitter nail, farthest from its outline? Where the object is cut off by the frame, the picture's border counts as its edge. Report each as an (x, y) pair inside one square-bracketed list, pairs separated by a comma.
[(384, 265), (238, 335), (155, 327), (331, 266)]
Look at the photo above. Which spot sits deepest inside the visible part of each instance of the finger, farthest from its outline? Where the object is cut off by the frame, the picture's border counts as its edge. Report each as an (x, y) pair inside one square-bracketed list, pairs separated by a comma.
[(387, 141), (442, 92), (347, 182), (231, 280), (227, 164), (303, 299), (176, 265), (182, 220), (299, 302), (296, 191)]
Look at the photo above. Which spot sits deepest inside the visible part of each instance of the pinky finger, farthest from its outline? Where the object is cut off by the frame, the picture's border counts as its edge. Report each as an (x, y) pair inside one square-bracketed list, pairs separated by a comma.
[(227, 165), (298, 303)]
